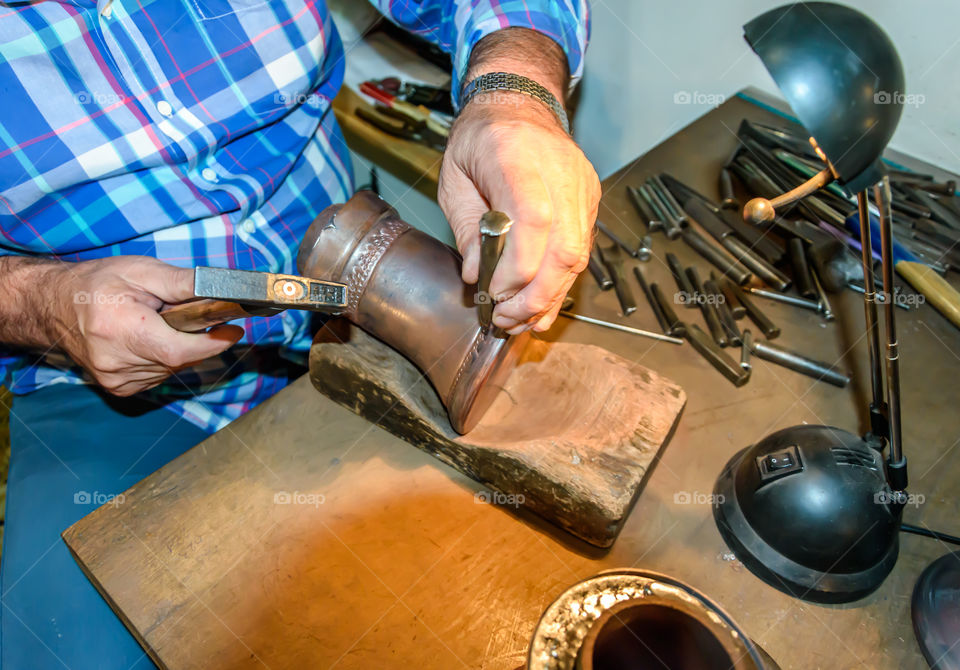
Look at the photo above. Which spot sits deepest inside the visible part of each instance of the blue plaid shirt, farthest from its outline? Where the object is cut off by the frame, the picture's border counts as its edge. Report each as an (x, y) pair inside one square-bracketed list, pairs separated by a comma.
[(199, 132)]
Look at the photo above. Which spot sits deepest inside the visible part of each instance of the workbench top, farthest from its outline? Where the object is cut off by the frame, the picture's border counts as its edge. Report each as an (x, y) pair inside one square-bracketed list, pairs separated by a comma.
[(303, 536)]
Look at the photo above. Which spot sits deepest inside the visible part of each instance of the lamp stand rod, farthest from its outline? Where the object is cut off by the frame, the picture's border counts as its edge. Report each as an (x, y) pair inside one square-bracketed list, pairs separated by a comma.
[(896, 462), (879, 429)]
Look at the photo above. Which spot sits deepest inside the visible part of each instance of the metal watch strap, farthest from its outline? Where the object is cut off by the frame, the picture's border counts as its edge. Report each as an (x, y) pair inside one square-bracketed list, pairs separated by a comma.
[(505, 81)]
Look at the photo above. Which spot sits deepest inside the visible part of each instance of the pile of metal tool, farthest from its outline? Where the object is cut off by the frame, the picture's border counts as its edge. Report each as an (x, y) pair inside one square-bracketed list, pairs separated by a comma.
[(806, 253), (413, 112)]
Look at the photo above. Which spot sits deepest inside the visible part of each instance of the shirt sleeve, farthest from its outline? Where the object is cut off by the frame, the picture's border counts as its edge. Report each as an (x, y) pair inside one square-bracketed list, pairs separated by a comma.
[(457, 25)]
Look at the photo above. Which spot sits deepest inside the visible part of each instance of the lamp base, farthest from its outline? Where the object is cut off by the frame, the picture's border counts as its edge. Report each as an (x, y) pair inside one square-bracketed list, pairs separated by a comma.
[(808, 510), (935, 610)]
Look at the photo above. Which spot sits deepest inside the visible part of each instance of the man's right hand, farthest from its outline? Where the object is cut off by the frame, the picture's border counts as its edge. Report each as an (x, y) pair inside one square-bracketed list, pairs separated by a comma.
[(104, 315)]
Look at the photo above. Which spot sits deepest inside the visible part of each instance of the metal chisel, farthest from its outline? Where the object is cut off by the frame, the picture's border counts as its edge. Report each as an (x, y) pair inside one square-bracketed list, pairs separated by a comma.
[(493, 232)]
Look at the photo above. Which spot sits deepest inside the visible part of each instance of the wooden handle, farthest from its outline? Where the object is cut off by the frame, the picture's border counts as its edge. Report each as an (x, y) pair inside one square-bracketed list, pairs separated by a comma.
[(934, 288), (198, 315)]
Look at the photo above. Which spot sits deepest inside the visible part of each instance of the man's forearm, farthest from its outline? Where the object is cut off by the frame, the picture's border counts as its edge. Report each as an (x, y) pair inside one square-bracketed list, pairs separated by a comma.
[(26, 318), (524, 52)]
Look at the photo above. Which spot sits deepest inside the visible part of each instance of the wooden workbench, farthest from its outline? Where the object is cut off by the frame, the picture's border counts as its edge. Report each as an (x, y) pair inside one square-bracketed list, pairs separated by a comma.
[(417, 165), (385, 558)]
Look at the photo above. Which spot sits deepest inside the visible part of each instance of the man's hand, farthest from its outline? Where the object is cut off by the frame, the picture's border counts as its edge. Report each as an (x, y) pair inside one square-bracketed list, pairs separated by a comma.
[(508, 152), (104, 315)]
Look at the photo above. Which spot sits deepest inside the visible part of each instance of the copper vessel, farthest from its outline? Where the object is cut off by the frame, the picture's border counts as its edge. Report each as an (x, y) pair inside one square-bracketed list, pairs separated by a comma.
[(637, 619), (405, 289)]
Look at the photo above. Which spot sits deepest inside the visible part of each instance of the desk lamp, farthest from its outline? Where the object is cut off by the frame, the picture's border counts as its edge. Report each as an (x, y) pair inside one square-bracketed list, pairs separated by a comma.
[(815, 510)]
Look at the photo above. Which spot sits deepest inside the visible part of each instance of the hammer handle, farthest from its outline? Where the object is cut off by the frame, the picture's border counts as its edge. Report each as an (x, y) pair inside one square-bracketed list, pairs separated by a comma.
[(198, 315), (933, 287)]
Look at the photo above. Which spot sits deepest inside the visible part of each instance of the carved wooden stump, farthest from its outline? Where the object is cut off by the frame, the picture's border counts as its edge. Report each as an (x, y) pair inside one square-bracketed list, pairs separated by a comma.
[(573, 431)]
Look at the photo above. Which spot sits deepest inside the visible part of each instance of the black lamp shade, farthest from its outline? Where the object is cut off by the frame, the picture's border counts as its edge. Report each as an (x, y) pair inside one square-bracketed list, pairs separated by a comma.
[(842, 77)]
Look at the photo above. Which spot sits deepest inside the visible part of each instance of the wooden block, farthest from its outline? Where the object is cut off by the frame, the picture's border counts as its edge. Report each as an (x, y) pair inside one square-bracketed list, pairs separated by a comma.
[(570, 437)]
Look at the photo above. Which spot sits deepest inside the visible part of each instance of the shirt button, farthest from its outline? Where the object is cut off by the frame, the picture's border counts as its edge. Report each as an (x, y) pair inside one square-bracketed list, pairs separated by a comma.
[(208, 174), (165, 108), (249, 226), (107, 11)]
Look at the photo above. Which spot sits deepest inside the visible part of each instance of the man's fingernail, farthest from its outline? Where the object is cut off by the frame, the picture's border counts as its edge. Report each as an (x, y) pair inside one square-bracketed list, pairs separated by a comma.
[(504, 322), (542, 325), (518, 329)]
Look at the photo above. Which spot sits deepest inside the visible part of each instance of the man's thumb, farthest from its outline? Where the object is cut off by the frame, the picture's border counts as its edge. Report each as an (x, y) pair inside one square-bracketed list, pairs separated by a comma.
[(170, 283)]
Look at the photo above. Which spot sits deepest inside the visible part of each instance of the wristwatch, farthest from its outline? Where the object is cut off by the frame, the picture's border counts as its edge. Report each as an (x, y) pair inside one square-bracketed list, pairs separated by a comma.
[(506, 81)]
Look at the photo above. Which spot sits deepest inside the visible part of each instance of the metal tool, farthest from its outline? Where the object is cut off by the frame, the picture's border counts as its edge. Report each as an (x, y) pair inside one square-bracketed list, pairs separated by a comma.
[(823, 301), (740, 252), (436, 98), (714, 355), (226, 294), (707, 308), (641, 251), (948, 188), (745, 346), (766, 326), (727, 321), (729, 200), (675, 327), (655, 306), (683, 282), (598, 272), (879, 296), (937, 211), (667, 197), (614, 264), (901, 205), (799, 363), (624, 329), (402, 119), (785, 298), (758, 239), (719, 259), (736, 307), (650, 194), (801, 270), (770, 275), (494, 226), (644, 210)]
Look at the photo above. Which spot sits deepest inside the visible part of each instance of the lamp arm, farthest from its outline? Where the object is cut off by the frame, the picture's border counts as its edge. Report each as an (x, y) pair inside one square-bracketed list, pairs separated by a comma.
[(896, 462)]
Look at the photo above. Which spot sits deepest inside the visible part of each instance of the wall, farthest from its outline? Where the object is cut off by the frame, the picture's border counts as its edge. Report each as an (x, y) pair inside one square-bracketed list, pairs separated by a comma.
[(653, 67)]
